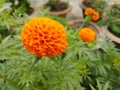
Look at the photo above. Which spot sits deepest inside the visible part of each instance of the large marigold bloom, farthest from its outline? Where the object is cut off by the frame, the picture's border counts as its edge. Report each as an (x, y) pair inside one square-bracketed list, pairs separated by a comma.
[(93, 13), (87, 34), (44, 37)]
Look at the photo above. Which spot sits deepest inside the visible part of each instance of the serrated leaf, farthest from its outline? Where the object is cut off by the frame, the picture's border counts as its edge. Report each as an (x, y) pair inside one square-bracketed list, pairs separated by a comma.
[(92, 87), (99, 85), (6, 40), (115, 28), (106, 86)]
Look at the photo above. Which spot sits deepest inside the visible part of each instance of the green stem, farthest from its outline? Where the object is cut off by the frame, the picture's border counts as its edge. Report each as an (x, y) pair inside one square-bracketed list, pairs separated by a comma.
[(86, 21), (36, 59), (58, 61)]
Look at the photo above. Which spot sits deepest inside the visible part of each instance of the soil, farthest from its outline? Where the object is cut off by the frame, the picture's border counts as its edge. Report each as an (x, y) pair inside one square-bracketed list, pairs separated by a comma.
[(86, 3), (117, 45), (58, 6), (29, 10)]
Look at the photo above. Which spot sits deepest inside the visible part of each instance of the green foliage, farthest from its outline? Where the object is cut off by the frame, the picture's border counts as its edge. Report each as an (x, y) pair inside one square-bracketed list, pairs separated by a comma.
[(115, 28), (2, 2), (115, 10), (44, 13), (101, 87), (11, 24), (53, 1), (112, 22), (97, 62), (98, 5), (80, 67), (76, 69), (116, 62), (63, 21), (49, 73), (23, 6), (110, 18), (5, 24)]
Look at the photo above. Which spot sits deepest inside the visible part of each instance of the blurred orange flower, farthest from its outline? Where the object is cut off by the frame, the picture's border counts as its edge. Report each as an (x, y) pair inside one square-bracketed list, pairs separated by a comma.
[(95, 15), (87, 34), (44, 37)]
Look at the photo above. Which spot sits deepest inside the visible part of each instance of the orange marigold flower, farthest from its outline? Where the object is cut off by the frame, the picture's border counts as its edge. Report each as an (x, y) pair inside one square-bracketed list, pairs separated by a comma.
[(95, 15), (44, 37), (87, 34)]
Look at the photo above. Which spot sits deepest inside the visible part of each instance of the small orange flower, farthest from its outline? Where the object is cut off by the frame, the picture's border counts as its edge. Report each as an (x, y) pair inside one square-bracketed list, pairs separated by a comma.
[(87, 34), (44, 37), (95, 15)]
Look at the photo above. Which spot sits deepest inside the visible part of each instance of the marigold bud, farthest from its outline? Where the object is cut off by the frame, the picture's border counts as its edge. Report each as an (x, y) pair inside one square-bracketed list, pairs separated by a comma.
[(87, 34)]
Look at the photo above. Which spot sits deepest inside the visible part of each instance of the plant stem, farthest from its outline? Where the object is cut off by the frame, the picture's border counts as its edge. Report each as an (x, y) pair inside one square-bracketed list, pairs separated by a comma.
[(86, 21), (36, 59)]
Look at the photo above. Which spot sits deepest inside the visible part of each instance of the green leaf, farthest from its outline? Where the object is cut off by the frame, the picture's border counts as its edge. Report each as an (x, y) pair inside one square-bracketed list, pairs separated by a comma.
[(115, 28), (99, 85), (6, 40), (70, 86), (92, 87), (106, 86)]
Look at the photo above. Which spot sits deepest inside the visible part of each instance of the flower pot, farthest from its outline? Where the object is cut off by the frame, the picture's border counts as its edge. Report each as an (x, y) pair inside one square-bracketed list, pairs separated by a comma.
[(30, 10), (97, 5), (110, 35), (62, 13), (82, 5), (107, 30), (75, 24), (112, 9)]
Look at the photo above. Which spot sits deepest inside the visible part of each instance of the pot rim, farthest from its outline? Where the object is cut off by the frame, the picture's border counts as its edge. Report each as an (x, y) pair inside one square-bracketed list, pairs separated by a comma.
[(110, 35), (95, 27), (61, 12), (70, 23)]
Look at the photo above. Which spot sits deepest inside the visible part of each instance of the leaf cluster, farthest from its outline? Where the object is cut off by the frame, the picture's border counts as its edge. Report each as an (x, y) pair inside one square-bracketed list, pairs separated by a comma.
[(97, 5), (11, 24), (23, 6), (110, 18)]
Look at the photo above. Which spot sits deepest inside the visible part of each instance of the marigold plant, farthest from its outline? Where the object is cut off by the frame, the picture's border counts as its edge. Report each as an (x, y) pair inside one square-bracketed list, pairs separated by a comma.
[(95, 15), (87, 34), (44, 37)]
